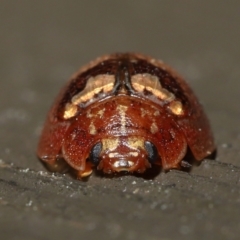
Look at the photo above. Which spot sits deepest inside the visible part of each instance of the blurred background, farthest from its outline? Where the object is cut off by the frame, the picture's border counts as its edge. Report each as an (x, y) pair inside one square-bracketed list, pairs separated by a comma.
[(44, 42)]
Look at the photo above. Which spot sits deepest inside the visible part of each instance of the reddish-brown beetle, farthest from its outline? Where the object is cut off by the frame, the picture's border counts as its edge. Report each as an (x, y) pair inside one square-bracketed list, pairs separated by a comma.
[(124, 112)]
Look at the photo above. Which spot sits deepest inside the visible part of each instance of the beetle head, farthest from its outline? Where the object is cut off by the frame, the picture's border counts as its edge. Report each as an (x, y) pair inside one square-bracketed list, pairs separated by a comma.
[(129, 154)]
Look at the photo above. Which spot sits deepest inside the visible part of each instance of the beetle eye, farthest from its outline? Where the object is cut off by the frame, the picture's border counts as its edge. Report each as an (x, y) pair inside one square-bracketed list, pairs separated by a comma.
[(152, 152), (95, 153)]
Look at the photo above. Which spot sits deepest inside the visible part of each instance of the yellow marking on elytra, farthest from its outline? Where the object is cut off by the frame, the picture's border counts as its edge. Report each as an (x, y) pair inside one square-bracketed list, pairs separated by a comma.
[(161, 93), (156, 113), (176, 108), (70, 111), (122, 112), (154, 128), (92, 129), (102, 83), (151, 83)]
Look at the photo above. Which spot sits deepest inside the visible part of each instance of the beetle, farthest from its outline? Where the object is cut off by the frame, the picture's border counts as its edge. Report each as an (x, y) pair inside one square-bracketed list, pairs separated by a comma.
[(124, 112)]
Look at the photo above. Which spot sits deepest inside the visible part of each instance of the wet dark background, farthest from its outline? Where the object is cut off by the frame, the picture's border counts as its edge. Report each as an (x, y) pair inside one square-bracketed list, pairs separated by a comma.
[(42, 43)]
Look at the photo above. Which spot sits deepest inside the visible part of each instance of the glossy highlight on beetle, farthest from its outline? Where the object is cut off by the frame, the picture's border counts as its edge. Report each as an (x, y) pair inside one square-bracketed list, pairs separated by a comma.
[(124, 112)]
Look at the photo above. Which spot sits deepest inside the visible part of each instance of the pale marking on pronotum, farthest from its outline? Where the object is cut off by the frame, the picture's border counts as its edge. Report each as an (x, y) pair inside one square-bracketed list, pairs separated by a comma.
[(154, 128), (92, 129), (135, 143), (109, 144), (122, 112), (143, 112), (101, 112), (89, 114)]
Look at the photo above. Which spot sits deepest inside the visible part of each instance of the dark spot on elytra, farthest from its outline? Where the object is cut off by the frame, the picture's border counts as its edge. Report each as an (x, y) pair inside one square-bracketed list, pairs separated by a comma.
[(79, 82)]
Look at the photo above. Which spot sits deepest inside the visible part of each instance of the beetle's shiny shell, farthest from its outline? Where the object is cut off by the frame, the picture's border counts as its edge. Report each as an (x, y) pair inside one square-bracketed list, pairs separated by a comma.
[(124, 112)]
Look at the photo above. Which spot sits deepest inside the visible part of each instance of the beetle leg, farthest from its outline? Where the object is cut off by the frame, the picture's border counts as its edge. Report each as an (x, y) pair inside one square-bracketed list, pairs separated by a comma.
[(57, 165), (86, 172)]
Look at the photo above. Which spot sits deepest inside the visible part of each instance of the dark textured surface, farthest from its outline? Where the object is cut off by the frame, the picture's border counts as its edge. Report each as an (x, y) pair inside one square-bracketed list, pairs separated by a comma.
[(42, 44)]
